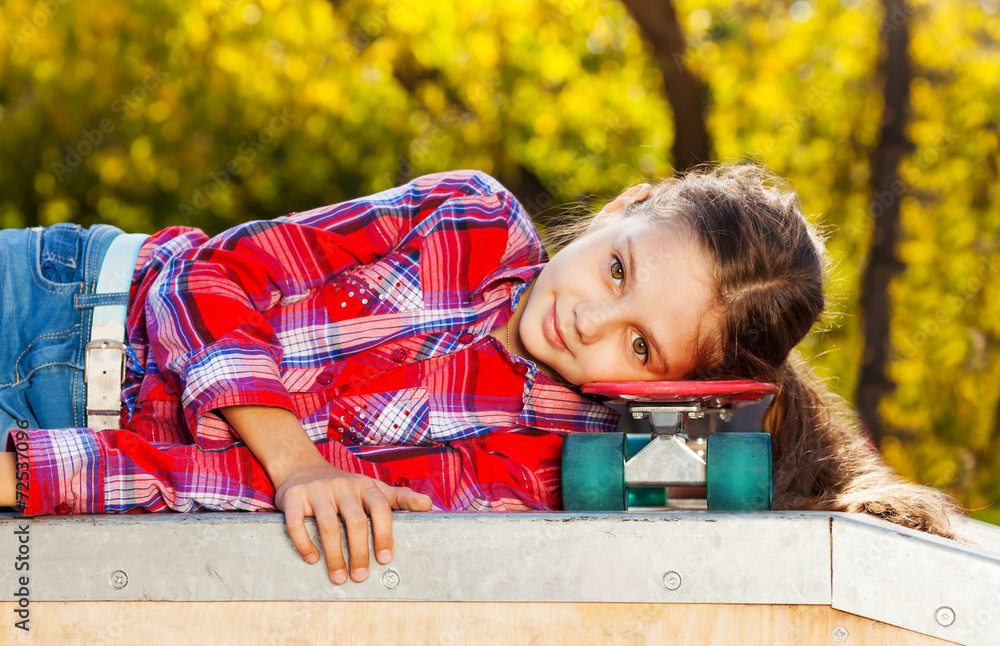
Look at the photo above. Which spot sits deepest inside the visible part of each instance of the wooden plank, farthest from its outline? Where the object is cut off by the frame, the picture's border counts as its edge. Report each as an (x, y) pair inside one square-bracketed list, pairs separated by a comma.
[(444, 623)]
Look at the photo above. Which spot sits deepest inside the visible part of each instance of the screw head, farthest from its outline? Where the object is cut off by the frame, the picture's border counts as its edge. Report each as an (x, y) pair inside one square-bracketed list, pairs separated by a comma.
[(945, 616), (839, 634), (671, 580), (118, 579), (390, 578)]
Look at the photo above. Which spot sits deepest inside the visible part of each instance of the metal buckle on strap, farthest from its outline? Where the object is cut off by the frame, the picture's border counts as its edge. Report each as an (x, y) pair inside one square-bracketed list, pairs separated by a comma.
[(102, 344)]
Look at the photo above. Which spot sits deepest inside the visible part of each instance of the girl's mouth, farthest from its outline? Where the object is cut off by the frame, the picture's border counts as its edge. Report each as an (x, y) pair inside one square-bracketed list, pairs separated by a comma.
[(550, 327)]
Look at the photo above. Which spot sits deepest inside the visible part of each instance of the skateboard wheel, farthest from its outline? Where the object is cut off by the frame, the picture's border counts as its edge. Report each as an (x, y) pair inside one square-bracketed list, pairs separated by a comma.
[(643, 496), (593, 472), (738, 474)]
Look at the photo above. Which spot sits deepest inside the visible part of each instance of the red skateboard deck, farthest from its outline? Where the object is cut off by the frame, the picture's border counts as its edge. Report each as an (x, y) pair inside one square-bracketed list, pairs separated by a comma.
[(719, 393)]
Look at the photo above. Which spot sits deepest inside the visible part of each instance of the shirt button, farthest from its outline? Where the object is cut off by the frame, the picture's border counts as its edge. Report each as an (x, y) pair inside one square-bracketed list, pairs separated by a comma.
[(466, 338), (520, 368), (324, 378), (169, 389), (399, 355), (64, 508), (401, 482)]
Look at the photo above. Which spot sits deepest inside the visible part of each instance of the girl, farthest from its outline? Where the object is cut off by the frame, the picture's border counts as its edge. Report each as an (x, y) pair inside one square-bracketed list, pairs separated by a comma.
[(415, 349)]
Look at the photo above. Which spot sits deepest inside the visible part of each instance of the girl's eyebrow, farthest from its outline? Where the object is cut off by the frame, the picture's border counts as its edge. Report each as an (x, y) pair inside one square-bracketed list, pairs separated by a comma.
[(658, 357)]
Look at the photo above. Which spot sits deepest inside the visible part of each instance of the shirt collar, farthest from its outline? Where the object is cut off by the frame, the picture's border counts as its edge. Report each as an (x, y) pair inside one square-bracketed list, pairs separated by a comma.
[(550, 405), (522, 277)]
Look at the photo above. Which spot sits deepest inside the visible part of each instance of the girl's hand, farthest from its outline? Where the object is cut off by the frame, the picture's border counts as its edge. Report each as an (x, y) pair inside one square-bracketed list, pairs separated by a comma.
[(305, 484), (325, 492)]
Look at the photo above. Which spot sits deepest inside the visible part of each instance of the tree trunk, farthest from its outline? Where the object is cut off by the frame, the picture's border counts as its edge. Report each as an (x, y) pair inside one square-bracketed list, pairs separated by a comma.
[(658, 21), (887, 190)]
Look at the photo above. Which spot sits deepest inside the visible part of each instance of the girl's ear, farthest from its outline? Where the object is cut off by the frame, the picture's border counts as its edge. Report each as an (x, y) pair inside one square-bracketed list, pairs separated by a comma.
[(613, 209)]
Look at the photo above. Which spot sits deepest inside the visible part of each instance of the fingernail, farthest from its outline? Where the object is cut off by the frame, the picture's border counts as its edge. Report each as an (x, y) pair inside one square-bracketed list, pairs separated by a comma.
[(361, 574), (340, 576), (312, 558), (384, 556)]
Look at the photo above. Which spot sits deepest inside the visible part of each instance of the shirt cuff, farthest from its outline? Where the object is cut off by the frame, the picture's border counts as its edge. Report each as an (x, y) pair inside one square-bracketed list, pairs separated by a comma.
[(231, 376), (60, 470)]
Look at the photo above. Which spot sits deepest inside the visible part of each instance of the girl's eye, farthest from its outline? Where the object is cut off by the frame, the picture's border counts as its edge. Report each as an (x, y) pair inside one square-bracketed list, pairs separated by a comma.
[(617, 270), (639, 346)]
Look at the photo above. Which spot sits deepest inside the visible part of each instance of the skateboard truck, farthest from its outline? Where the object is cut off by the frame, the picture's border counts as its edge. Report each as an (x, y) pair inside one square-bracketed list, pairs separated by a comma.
[(667, 461)]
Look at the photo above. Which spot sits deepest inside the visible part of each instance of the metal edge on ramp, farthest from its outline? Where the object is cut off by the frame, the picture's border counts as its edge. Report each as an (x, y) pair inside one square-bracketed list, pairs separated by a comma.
[(611, 557), (913, 580)]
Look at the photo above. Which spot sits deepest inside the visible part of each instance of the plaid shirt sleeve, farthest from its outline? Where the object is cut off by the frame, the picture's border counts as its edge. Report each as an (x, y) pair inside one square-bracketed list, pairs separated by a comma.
[(513, 471), (204, 313)]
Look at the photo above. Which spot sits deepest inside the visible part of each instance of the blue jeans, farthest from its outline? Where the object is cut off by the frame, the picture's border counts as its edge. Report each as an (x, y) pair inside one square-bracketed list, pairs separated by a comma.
[(47, 281)]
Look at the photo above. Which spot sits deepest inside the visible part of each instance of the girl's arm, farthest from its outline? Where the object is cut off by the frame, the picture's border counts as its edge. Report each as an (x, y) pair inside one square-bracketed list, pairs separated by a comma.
[(306, 484)]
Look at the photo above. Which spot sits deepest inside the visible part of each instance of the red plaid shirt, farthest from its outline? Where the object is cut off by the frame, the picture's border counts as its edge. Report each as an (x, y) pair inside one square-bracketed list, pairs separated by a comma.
[(367, 319)]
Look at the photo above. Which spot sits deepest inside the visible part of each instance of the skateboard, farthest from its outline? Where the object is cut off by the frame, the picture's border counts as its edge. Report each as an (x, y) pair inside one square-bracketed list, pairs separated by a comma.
[(598, 469)]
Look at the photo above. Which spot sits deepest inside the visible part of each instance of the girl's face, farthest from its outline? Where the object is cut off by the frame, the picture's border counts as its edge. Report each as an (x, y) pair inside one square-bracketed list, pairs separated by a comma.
[(627, 302)]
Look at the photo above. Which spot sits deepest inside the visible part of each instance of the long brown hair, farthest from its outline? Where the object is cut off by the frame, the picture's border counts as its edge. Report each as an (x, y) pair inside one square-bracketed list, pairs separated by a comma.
[(768, 265)]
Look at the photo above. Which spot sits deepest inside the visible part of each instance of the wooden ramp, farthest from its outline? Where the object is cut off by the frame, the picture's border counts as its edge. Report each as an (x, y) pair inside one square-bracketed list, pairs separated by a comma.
[(649, 577)]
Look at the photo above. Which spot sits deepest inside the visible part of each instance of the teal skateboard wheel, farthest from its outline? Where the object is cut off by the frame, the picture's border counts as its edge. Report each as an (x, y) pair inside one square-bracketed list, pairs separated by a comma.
[(738, 474), (643, 496), (593, 472)]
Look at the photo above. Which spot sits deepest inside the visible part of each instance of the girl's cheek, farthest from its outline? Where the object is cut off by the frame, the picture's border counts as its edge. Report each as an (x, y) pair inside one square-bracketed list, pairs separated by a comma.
[(601, 368)]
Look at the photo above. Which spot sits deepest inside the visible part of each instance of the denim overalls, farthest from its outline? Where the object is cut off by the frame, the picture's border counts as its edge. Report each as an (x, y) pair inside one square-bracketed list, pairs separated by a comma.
[(47, 282)]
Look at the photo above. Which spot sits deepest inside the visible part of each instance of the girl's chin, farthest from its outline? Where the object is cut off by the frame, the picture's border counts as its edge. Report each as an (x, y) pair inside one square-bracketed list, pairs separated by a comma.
[(556, 376), (559, 379), (550, 372)]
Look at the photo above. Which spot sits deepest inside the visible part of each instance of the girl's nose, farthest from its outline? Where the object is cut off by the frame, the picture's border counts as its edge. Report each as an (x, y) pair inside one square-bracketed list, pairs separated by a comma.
[(594, 319)]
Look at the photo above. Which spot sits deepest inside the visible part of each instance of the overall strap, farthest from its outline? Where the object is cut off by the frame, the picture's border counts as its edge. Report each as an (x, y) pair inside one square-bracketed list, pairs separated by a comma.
[(104, 356)]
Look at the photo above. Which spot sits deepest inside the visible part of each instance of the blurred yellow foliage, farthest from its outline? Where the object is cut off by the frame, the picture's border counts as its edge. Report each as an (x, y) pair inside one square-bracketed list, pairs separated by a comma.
[(148, 113)]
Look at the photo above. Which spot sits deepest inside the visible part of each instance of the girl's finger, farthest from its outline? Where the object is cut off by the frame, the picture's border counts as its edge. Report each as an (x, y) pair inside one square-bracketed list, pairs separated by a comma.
[(295, 522), (406, 498), (377, 506), (329, 534), (356, 522)]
